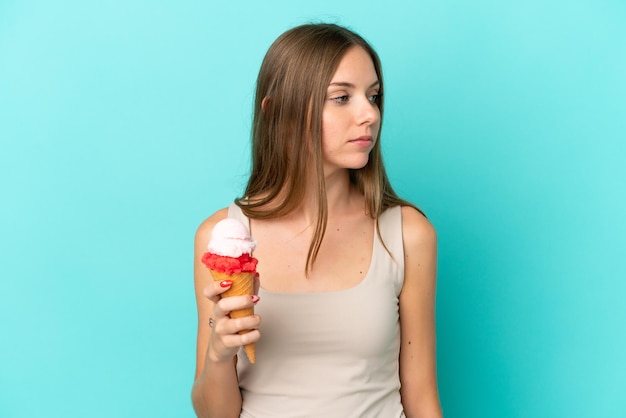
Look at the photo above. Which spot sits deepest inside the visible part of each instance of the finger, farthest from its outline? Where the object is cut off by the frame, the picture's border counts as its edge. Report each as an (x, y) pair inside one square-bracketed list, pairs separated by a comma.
[(215, 289), (228, 326), (237, 340), (257, 284), (233, 303)]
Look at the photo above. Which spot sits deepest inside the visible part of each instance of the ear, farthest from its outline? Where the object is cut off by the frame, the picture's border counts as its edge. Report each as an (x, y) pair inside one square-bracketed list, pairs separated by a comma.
[(265, 104)]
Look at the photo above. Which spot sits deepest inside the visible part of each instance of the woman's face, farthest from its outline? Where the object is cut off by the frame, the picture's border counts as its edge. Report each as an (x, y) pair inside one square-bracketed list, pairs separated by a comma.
[(350, 116)]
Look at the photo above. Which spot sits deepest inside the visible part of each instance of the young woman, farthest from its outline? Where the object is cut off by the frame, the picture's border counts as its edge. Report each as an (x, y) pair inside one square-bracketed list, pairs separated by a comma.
[(347, 268)]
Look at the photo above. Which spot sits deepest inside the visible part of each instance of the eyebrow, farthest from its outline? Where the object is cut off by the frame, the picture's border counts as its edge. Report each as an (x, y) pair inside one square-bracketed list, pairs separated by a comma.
[(350, 85)]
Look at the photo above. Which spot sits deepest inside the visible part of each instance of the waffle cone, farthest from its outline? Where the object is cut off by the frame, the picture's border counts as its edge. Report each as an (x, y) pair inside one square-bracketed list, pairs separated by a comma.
[(243, 284)]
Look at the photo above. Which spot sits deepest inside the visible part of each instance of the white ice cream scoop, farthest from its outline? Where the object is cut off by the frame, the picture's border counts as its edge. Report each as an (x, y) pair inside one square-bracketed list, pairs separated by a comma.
[(231, 238)]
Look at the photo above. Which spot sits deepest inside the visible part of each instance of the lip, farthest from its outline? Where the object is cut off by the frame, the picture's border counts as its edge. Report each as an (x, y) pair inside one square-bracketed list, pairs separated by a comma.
[(363, 141)]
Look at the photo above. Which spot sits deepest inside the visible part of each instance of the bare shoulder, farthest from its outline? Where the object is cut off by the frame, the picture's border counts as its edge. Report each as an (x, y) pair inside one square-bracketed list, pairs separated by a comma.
[(417, 231), (203, 233), (418, 365)]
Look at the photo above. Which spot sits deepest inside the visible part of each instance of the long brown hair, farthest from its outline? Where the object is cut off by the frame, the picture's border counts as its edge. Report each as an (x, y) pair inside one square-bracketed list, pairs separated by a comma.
[(287, 128)]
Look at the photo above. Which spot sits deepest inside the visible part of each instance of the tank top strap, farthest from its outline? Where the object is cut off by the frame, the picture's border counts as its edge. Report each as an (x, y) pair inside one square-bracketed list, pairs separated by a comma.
[(235, 212), (390, 227)]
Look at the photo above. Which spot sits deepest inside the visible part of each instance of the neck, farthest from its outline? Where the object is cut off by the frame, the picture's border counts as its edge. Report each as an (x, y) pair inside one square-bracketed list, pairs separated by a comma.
[(339, 196)]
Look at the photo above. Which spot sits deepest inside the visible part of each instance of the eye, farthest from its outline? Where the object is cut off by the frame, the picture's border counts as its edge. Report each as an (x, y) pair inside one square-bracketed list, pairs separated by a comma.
[(341, 99), (374, 98)]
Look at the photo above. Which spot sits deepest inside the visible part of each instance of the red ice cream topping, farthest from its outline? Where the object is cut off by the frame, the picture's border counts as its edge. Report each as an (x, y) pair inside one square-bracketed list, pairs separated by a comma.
[(230, 265)]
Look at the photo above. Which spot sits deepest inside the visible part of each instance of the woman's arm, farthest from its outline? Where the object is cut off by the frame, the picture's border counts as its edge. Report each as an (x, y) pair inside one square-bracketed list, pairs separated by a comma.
[(418, 368), (215, 390)]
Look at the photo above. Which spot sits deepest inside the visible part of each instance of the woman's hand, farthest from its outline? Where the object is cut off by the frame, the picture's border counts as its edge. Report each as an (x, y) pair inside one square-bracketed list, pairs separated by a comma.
[(225, 340)]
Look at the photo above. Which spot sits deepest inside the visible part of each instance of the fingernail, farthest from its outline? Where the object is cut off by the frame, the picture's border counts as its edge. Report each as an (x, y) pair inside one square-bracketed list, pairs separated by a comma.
[(226, 283), (255, 298)]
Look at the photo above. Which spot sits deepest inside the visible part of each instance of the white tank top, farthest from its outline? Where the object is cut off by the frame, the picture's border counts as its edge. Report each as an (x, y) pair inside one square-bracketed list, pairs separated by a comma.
[(331, 354)]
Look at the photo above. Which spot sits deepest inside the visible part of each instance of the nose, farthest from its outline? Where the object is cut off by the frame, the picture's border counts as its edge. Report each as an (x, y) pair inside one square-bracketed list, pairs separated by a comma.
[(368, 112)]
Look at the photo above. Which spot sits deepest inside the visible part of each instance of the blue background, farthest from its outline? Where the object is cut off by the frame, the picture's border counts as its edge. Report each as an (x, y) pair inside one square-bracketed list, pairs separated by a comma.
[(123, 124)]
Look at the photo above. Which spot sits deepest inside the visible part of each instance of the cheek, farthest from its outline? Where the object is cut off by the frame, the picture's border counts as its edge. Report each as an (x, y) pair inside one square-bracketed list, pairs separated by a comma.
[(329, 128), (376, 125)]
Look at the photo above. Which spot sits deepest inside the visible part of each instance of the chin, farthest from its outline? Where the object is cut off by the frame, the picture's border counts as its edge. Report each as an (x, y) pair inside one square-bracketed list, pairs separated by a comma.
[(357, 165), (354, 162)]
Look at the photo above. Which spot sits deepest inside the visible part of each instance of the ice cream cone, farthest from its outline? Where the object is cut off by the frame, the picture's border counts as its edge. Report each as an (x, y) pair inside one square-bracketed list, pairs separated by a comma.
[(243, 284), (229, 257)]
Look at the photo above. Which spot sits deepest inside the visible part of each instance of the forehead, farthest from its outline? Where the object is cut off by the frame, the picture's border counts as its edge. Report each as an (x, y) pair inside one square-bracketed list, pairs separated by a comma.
[(355, 65)]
